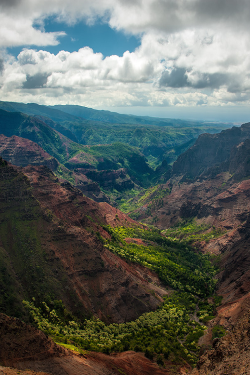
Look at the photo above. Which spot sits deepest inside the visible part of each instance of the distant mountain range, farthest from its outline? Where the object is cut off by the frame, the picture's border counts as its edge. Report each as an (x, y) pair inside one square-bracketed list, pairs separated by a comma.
[(61, 113)]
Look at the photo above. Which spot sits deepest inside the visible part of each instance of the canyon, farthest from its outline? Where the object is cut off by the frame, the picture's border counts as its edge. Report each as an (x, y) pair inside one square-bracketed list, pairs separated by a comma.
[(53, 244)]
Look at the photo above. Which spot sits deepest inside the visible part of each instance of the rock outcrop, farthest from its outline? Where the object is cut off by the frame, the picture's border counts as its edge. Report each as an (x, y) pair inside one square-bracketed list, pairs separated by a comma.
[(229, 354), (21, 342), (22, 152)]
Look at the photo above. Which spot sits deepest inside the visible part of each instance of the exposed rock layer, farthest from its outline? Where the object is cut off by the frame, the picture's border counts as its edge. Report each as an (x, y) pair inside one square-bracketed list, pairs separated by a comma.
[(21, 152)]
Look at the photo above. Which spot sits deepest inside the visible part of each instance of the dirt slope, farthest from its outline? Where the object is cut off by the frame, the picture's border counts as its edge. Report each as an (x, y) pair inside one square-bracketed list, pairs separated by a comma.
[(230, 354)]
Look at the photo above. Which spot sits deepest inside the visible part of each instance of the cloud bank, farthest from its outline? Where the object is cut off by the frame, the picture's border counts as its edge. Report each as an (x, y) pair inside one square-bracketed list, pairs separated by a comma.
[(192, 52)]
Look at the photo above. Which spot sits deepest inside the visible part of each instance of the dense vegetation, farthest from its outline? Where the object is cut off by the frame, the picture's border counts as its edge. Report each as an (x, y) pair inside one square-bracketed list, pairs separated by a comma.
[(169, 333), (188, 231), (176, 264), (152, 198)]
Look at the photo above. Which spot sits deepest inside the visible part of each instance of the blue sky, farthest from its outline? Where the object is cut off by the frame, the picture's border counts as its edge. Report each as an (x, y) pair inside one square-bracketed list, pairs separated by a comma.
[(98, 36), (186, 59)]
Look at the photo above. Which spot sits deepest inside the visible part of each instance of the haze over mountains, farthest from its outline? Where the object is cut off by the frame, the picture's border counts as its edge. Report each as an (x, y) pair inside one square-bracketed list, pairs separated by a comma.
[(169, 283)]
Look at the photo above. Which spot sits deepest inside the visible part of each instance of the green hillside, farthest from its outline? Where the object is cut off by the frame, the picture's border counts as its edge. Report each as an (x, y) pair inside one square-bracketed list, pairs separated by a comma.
[(158, 139)]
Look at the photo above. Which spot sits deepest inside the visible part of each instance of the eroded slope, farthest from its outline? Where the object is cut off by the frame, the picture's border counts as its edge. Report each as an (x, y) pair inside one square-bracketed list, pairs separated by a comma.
[(51, 246)]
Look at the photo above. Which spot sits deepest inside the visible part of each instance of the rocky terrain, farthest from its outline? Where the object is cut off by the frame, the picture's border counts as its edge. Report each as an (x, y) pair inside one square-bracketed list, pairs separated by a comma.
[(21, 152), (52, 244), (64, 228), (210, 184), (210, 150), (229, 354)]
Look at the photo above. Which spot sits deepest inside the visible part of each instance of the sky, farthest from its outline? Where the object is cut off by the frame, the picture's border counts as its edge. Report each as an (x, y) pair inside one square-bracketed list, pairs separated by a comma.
[(165, 58)]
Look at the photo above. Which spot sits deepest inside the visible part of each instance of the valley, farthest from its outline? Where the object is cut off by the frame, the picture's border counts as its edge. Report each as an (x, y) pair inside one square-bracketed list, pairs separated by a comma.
[(124, 243)]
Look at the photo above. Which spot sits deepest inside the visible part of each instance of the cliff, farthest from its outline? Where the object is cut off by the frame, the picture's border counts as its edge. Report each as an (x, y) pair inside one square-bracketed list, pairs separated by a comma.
[(209, 150)]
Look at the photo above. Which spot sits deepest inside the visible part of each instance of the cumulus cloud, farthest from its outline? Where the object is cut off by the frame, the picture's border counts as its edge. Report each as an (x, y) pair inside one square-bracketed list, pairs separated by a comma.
[(131, 16), (1, 65), (156, 74), (36, 81), (192, 52), (180, 77), (8, 3), (19, 31)]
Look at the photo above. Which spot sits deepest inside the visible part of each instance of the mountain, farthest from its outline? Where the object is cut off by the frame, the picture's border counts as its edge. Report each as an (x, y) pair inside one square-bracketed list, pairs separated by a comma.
[(33, 109), (62, 113), (83, 166), (117, 118), (158, 139), (205, 181), (34, 129), (66, 262), (93, 279), (210, 150), (206, 203), (51, 246)]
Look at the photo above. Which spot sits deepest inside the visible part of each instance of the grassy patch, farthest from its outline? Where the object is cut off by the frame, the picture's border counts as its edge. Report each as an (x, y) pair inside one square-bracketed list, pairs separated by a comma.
[(175, 263), (151, 198), (218, 332), (189, 231)]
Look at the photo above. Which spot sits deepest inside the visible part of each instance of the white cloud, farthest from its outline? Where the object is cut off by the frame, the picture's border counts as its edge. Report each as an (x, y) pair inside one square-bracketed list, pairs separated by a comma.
[(192, 52), (137, 16), (19, 31)]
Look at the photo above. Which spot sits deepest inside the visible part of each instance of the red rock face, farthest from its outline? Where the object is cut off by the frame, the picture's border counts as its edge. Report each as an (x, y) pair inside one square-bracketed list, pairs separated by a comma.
[(229, 354), (213, 201), (234, 279), (20, 342), (21, 152)]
